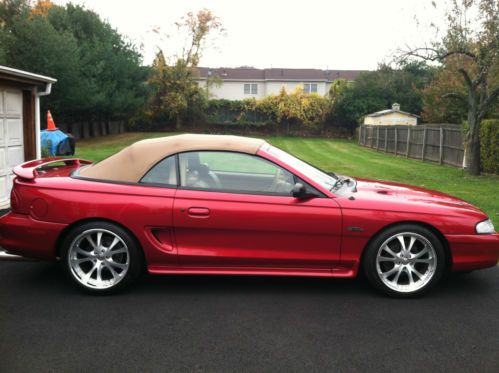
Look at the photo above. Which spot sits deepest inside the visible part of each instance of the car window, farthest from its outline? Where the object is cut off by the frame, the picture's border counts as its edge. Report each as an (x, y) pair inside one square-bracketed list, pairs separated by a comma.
[(163, 172), (233, 172)]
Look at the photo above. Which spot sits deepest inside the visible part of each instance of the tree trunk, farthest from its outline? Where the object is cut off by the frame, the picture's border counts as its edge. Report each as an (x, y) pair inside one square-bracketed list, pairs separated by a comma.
[(178, 123), (473, 145), (91, 132)]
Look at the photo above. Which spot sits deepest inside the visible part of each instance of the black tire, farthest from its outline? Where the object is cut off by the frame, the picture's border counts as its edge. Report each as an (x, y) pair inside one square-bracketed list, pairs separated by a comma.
[(129, 255), (401, 286)]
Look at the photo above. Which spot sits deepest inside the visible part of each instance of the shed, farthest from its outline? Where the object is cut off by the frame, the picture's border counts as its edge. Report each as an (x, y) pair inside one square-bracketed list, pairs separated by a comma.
[(20, 93), (393, 116)]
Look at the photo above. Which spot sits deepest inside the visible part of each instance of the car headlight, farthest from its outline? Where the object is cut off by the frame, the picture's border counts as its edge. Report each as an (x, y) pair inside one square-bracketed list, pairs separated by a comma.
[(485, 227)]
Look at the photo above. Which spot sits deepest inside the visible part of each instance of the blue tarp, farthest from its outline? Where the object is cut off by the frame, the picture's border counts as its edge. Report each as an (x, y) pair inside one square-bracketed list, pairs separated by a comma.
[(54, 141)]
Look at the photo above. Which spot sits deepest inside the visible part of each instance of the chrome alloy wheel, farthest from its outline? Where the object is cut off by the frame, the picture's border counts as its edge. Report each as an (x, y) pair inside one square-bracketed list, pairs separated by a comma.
[(406, 262), (98, 258)]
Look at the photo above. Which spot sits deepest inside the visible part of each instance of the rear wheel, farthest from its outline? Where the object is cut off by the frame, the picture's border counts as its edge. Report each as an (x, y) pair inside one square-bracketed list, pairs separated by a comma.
[(404, 261), (101, 257)]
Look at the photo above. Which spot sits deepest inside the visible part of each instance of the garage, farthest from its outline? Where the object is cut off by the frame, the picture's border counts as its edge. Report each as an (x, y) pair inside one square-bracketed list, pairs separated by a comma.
[(20, 93)]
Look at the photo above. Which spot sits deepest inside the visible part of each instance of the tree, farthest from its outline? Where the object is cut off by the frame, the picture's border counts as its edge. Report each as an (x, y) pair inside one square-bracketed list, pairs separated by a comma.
[(98, 72), (472, 43), (9, 9), (109, 65), (378, 90), (35, 45), (175, 93), (438, 106)]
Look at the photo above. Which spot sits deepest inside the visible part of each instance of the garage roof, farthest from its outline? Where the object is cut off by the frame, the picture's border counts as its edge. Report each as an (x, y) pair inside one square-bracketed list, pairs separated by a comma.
[(24, 76)]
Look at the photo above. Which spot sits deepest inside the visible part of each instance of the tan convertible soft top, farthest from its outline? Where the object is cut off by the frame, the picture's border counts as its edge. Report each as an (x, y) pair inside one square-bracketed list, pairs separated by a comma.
[(131, 163)]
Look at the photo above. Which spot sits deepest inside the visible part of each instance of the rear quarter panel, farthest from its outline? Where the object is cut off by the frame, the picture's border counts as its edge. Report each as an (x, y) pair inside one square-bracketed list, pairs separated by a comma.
[(140, 209)]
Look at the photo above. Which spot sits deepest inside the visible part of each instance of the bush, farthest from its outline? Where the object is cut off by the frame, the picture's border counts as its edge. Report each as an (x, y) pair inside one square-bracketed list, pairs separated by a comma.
[(240, 112), (489, 145)]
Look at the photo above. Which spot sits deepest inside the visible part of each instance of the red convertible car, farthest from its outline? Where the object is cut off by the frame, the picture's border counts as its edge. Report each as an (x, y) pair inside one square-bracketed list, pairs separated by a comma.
[(205, 204)]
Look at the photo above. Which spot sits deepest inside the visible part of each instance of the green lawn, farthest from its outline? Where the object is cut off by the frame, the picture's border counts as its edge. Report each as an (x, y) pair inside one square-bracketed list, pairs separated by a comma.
[(347, 158)]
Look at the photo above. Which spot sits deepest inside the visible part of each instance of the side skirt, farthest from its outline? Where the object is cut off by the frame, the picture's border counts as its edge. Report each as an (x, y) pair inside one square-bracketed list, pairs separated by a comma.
[(252, 271)]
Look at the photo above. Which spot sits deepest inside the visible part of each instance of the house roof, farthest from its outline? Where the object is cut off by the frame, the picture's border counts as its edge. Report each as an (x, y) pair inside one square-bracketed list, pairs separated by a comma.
[(133, 162), (390, 111), (277, 74), (24, 76)]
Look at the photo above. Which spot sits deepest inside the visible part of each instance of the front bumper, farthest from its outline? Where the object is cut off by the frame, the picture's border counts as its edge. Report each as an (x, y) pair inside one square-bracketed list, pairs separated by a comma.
[(470, 252), (22, 235)]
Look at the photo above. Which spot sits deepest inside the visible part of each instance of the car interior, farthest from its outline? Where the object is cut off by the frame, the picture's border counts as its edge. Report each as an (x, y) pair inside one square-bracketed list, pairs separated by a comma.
[(244, 173)]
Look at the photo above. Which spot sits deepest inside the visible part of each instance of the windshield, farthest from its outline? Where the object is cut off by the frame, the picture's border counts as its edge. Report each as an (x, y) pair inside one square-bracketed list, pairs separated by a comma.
[(325, 180)]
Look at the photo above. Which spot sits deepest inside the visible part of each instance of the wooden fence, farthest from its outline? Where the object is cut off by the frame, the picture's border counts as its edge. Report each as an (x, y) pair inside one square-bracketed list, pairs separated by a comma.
[(441, 144), (92, 129)]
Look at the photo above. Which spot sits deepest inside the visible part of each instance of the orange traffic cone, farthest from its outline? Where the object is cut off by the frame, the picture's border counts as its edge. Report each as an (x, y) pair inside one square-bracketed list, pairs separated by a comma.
[(50, 122)]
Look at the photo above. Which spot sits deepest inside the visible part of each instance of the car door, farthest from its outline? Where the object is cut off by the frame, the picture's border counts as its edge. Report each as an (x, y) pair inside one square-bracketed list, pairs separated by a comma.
[(236, 210)]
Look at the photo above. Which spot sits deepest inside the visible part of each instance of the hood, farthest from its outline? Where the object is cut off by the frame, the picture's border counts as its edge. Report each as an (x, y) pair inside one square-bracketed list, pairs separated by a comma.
[(396, 196)]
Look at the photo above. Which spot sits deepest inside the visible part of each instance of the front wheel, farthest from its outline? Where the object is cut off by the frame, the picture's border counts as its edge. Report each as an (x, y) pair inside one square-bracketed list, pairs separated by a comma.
[(404, 261), (101, 257)]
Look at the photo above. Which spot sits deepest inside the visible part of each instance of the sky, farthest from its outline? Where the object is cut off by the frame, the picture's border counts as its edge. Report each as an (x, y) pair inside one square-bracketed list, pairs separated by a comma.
[(331, 34)]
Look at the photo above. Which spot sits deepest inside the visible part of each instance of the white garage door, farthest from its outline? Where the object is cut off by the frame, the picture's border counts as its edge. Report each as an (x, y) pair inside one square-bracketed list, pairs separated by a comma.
[(11, 139)]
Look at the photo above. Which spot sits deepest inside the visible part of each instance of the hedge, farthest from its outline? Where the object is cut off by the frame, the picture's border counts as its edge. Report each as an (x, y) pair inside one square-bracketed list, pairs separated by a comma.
[(489, 145)]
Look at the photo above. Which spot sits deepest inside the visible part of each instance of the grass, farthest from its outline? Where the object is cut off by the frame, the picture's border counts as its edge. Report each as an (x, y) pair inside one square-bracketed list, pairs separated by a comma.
[(348, 158)]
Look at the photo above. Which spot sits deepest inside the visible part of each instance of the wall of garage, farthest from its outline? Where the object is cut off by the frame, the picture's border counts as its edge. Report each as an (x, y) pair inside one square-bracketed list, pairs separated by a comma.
[(11, 137)]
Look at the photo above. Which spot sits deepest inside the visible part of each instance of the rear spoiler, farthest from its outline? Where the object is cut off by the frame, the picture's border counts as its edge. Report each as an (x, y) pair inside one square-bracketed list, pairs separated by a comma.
[(28, 170)]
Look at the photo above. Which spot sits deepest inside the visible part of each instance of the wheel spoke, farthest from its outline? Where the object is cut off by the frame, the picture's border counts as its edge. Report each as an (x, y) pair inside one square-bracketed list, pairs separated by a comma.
[(82, 260), (389, 251), (92, 243), (113, 272), (409, 274), (119, 251), (419, 274), (402, 242), (99, 239), (83, 252), (397, 276), (390, 272), (385, 259), (411, 244), (427, 261), (421, 253), (87, 276), (116, 264), (113, 244), (99, 272)]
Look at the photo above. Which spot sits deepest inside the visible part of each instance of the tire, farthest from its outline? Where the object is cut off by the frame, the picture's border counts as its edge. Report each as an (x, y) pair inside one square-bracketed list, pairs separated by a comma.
[(404, 270), (101, 257)]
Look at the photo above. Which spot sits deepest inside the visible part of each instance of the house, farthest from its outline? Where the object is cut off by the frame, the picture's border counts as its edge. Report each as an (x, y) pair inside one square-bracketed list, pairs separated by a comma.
[(20, 93), (391, 117), (247, 82)]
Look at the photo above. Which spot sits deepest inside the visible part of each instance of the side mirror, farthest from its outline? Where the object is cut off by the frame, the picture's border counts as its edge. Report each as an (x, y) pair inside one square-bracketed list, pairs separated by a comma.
[(300, 192)]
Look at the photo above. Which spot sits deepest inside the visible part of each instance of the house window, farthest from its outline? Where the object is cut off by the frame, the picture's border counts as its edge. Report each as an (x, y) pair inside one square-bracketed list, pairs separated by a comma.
[(250, 88), (310, 88)]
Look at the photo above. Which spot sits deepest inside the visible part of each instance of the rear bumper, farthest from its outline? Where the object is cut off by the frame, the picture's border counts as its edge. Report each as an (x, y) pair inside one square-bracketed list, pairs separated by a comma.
[(470, 252), (22, 235)]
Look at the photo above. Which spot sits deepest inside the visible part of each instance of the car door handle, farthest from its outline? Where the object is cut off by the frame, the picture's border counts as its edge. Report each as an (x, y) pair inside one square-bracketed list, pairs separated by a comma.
[(198, 211)]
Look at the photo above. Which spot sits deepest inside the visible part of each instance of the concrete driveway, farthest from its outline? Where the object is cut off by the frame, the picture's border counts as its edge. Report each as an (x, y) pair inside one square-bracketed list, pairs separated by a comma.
[(238, 324)]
